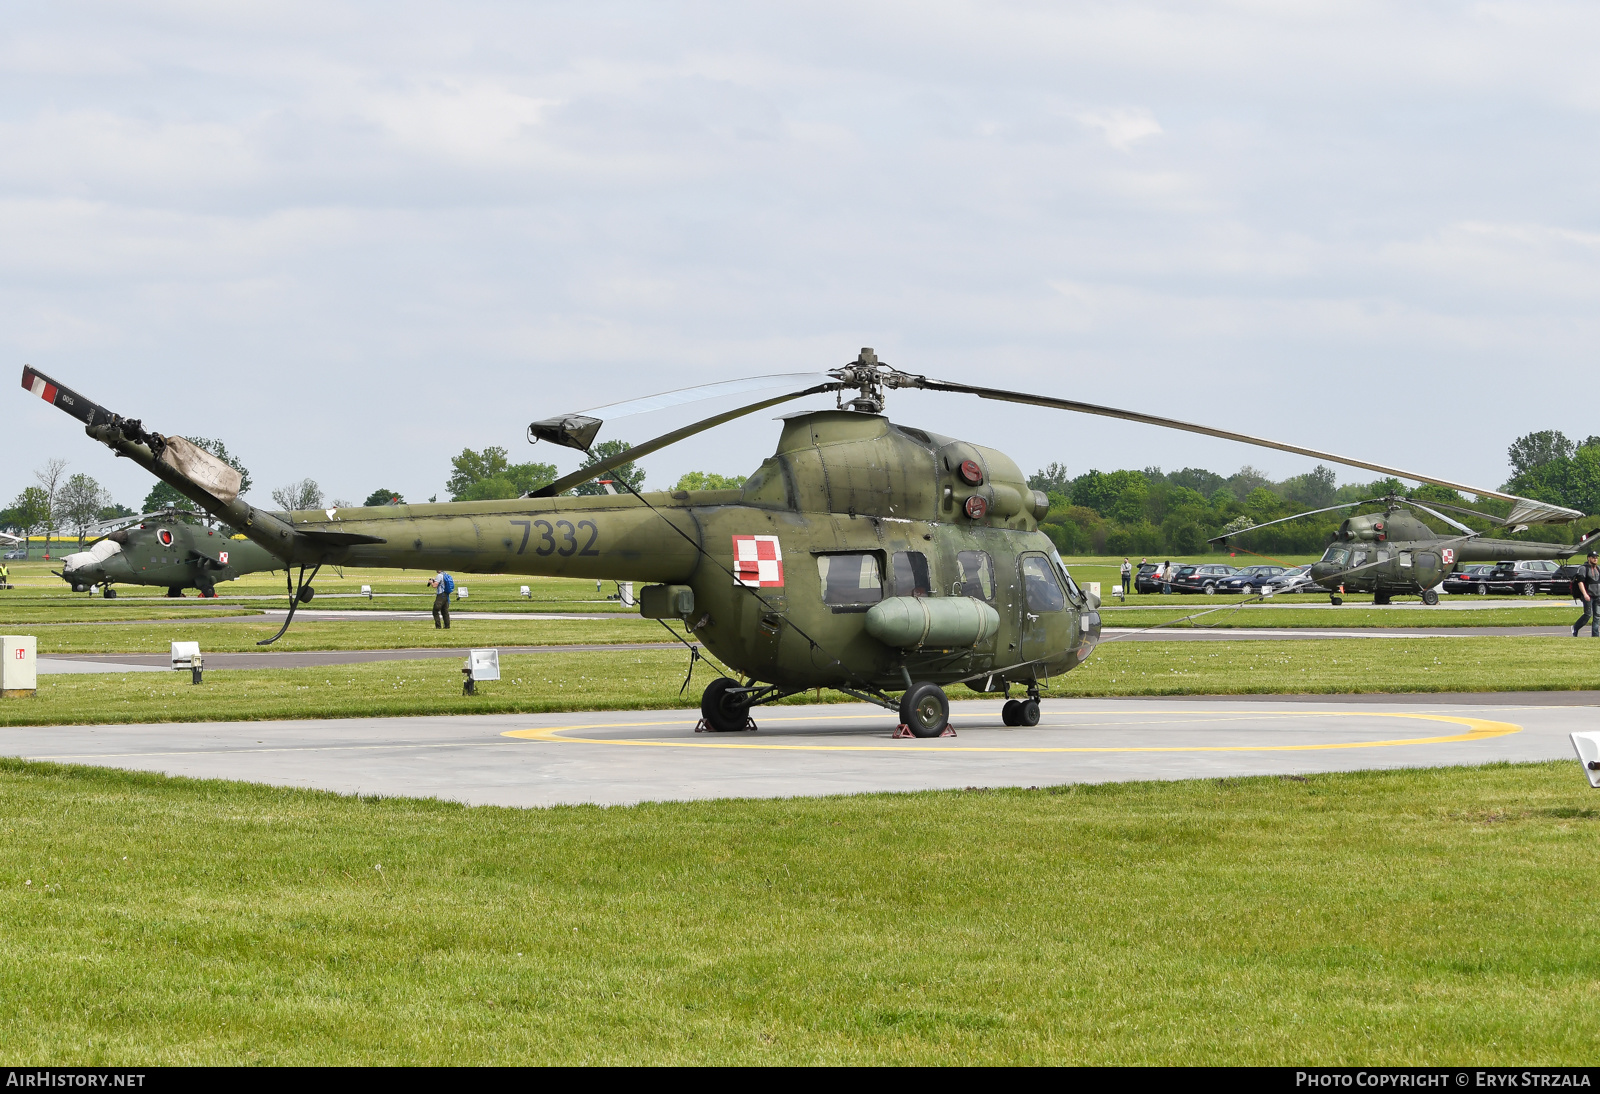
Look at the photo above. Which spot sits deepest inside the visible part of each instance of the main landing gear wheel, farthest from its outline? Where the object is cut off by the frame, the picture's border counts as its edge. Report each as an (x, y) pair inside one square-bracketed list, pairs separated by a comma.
[(1380, 598), (306, 594), (723, 712), (1020, 712), (175, 591), (925, 710), (1337, 600), (1430, 597), (109, 593)]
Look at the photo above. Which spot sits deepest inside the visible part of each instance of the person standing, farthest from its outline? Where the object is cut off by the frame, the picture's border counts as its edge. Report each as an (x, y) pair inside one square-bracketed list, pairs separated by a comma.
[(5, 577), (1587, 586), (1166, 576), (443, 585), (1127, 576)]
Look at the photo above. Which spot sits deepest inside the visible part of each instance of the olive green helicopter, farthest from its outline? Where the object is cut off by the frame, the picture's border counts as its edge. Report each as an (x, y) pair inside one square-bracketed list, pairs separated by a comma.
[(862, 556), (1392, 553)]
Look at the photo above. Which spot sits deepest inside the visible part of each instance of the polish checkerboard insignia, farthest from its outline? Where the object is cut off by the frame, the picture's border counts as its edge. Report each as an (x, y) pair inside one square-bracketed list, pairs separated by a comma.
[(757, 561), (1449, 555), (222, 557)]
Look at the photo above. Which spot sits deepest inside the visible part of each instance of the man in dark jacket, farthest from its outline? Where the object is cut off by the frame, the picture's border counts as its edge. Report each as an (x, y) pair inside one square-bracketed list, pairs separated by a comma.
[(1586, 587)]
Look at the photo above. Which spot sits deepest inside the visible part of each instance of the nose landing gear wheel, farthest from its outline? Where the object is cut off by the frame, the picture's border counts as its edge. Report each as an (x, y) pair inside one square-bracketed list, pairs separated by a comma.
[(1430, 597), (1020, 712), (925, 710), (723, 713), (109, 593), (1337, 600)]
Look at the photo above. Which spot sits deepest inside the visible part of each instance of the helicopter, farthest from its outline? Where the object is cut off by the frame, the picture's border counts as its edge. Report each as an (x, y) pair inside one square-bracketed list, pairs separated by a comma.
[(863, 556), (1393, 553), (165, 550)]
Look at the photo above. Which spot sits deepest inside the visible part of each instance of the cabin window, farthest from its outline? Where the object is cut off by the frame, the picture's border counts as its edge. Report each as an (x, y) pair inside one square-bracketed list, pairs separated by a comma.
[(911, 574), (849, 580), (1358, 557), (1042, 589), (977, 575)]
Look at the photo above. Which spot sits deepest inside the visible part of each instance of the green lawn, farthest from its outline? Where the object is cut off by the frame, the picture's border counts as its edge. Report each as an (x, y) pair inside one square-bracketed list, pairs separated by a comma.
[(241, 635), (649, 679), (1542, 613), (1411, 917)]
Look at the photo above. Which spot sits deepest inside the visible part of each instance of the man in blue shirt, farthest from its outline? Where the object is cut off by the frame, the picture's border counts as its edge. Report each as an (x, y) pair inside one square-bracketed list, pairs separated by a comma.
[(443, 585)]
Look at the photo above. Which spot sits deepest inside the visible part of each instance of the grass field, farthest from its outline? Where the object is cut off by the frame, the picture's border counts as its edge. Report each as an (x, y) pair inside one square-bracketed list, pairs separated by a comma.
[(1407, 917), (337, 634), (650, 679)]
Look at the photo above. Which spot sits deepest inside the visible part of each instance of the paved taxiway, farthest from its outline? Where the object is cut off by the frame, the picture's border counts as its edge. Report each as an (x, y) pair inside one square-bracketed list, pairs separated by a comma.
[(624, 757)]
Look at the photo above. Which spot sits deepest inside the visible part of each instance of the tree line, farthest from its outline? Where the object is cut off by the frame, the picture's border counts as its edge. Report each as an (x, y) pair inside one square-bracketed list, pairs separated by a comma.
[(1151, 512)]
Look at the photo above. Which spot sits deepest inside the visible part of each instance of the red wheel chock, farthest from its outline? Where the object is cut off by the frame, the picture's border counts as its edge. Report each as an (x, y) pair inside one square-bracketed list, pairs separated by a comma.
[(902, 732)]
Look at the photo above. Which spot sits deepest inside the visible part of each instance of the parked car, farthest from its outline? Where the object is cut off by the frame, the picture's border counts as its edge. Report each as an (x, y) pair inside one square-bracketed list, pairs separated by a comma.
[(1469, 579), (1145, 580), (1248, 579), (12, 556), (1297, 579), (1201, 579), (1528, 578)]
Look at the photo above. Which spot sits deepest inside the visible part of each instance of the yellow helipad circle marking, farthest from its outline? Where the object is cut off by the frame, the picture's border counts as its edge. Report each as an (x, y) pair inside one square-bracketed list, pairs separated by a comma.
[(1478, 729)]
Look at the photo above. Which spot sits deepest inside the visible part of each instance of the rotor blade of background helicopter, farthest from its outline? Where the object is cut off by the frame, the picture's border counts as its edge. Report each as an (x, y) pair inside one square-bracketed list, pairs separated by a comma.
[(1523, 508), (1297, 516), (1456, 524), (595, 470)]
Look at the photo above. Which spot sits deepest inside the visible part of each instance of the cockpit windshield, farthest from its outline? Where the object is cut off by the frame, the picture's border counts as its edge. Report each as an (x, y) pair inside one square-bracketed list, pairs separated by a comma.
[(1337, 555)]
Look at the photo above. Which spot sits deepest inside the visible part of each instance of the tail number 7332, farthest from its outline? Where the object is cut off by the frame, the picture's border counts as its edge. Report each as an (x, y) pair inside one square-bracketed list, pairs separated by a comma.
[(560, 538)]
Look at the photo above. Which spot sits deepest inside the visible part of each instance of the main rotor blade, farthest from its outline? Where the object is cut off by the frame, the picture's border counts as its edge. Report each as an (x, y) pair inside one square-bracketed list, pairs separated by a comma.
[(1297, 516), (1490, 517), (579, 429), (595, 470), (1456, 524), (702, 392), (1523, 509)]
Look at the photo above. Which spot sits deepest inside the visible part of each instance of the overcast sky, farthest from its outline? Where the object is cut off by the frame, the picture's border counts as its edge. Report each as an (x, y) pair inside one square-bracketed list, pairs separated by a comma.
[(351, 239)]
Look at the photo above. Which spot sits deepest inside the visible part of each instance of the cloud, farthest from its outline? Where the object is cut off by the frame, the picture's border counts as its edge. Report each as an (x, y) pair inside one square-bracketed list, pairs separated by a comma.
[(1122, 128)]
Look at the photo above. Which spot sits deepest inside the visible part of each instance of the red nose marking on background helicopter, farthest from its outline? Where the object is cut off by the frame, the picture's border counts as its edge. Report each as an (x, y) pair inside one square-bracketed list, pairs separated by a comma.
[(1449, 555), (757, 561)]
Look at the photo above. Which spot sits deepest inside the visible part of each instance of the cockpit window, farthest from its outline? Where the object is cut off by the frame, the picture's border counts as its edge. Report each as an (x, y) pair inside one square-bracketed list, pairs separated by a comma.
[(977, 575), (1039, 582), (911, 574), (1337, 555), (848, 580)]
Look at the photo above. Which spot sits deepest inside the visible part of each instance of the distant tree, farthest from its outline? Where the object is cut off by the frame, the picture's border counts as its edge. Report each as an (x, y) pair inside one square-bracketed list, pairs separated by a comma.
[(708, 480), (471, 468), (31, 510), (305, 494), (79, 502), (1101, 490), (1534, 450), (1198, 479), (628, 472), (1314, 489), (1052, 480), (163, 496), (50, 478), (1246, 480), (384, 497), (113, 511)]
